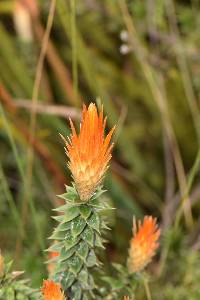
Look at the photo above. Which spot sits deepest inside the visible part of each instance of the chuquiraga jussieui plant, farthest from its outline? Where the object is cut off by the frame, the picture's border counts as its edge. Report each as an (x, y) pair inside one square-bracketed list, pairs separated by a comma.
[(79, 229)]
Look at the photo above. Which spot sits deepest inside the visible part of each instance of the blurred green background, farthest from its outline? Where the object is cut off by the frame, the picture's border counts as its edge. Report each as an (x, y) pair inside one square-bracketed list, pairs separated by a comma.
[(141, 60)]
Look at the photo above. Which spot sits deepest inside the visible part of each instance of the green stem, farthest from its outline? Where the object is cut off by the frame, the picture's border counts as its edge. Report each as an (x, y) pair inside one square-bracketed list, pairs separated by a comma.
[(77, 237), (147, 288)]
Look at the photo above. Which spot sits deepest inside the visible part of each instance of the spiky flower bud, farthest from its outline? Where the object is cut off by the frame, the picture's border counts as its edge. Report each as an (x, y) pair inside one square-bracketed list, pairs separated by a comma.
[(144, 243), (89, 152), (52, 291)]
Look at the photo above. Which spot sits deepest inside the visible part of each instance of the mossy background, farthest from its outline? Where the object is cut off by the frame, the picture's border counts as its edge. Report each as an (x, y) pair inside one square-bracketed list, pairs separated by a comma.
[(141, 60)]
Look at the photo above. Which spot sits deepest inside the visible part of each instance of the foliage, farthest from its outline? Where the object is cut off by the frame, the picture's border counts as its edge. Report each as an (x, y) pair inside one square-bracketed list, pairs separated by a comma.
[(141, 59), (11, 287), (78, 235)]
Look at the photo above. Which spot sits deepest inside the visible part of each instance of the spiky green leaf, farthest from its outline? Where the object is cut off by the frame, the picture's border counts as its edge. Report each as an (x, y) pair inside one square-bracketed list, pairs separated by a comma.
[(85, 211), (94, 222), (77, 226), (88, 236)]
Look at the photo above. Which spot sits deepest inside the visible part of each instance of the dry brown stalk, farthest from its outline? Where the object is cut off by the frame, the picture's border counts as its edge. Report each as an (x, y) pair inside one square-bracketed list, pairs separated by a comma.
[(60, 70), (56, 110)]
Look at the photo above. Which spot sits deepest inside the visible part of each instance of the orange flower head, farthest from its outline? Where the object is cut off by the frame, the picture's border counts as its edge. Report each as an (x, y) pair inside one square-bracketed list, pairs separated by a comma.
[(89, 152), (126, 298), (52, 291), (144, 243)]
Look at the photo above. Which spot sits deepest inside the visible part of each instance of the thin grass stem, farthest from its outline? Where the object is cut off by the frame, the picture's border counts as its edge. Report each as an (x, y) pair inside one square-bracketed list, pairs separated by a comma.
[(74, 47)]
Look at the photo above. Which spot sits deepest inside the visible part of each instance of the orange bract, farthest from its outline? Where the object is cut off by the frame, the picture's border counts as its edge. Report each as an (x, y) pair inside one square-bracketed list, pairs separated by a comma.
[(53, 254), (89, 152), (52, 291), (143, 244), (51, 265)]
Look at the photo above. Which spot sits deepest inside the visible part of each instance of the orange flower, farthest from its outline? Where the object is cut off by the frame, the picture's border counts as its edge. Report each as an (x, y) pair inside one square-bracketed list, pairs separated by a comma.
[(126, 298), (89, 152), (144, 243), (52, 291)]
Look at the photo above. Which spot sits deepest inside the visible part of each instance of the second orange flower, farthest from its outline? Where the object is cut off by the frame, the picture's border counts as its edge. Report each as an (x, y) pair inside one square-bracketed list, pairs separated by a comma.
[(144, 243)]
